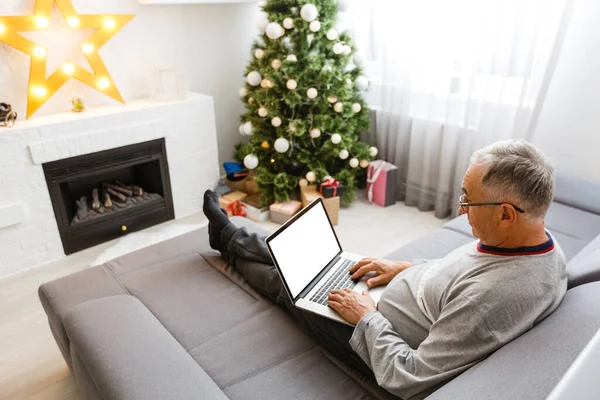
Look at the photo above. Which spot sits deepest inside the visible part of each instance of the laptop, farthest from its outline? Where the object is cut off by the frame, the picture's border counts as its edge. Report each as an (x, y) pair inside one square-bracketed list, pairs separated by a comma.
[(311, 262)]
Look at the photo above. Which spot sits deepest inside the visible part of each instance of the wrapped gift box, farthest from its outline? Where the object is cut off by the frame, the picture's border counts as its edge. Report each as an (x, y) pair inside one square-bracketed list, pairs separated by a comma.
[(381, 183), (229, 202), (282, 212), (237, 186), (332, 204), (331, 188), (251, 186), (256, 209)]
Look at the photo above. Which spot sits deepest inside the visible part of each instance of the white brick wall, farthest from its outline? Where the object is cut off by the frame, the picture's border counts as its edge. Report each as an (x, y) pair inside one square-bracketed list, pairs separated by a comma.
[(28, 232)]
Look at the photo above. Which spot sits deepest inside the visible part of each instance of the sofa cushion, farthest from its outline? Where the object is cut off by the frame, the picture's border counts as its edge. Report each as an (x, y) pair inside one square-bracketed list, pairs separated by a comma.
[(434, 244), (530, 366), (585, 266), (577, 193)]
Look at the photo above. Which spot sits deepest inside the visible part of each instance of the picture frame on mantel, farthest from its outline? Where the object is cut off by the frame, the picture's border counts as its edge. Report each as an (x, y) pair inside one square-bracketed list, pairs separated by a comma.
[(170, 84)]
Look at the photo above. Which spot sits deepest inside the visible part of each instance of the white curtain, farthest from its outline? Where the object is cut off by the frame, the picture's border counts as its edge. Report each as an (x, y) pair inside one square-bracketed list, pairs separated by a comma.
[(449, 77)]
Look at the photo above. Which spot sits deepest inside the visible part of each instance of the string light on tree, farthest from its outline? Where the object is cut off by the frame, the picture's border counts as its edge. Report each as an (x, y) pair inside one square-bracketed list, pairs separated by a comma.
[(354, 162), (276, 122), (39, 52), (251, 161), (254, 78), (336, 138), (338, 107), (68, 68), (87, 48), (73, 22), (344, 154), (312, 93), (309, 12), (281, 145), (315, 133)]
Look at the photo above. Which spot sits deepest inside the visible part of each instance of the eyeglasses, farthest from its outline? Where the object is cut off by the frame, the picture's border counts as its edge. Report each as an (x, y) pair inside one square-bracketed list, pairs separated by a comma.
[(465, 206)]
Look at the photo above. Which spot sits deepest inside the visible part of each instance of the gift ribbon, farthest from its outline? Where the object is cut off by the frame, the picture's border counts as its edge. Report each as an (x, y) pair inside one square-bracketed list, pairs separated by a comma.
[(236, 208), (372, 178), (330, 183)]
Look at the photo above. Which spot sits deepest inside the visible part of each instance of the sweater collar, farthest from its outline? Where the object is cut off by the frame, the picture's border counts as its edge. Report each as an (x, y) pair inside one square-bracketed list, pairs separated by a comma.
[(519, 251)]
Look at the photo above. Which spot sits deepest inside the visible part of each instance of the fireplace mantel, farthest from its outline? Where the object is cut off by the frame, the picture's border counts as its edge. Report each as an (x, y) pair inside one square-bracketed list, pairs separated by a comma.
[(29, 234)]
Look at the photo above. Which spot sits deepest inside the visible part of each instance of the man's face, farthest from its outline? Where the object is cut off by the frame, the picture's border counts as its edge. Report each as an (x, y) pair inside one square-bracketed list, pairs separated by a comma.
[(481, 219)]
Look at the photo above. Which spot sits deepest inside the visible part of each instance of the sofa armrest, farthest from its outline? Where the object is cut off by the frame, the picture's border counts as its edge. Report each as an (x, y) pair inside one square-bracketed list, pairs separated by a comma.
[(128, 354)]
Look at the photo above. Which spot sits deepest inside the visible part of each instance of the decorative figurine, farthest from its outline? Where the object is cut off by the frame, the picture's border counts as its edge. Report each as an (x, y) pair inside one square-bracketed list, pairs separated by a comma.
[(8, 117), (77, 102)]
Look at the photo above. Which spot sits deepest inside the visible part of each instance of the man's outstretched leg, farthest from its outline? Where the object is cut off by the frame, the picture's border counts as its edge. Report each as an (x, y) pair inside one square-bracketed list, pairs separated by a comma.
[(248, 254)]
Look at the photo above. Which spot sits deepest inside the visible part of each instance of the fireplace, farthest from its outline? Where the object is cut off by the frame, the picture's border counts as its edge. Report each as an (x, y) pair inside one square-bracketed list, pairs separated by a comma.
[(101, 196)]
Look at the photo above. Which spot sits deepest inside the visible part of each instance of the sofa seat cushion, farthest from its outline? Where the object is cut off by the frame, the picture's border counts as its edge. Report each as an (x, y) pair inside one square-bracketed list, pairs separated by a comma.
[(530, 366), (585, 266)]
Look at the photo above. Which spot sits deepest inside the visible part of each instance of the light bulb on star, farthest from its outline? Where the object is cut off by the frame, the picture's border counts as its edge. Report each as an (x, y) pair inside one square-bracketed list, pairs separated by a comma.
[(332, 34), (344, 154), (332, 98), (251, 161), (275, 64), (315, 133), (312, 93), (68, 68), (39, 91), (291, 58), (309, 12), (291, 84), (42, 22), (281, 145), (338, 107), (314, 26), (262, 111), (39, 52), (103, 83), (364, 163), (288, 23), (373, 151), (2, 28), (356, 107), (110, 23), (311, 176), (354, 162), (336, 138), (254, 78), (276, 122), (338, 48), (259, 53), (73, 22), (87, 48)]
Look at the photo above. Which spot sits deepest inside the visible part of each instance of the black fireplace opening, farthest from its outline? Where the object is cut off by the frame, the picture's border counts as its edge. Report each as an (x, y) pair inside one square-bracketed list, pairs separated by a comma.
[(101, 196)]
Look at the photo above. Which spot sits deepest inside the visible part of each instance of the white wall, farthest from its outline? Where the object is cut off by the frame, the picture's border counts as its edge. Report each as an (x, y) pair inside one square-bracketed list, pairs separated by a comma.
[(568, 128), (209, 43)]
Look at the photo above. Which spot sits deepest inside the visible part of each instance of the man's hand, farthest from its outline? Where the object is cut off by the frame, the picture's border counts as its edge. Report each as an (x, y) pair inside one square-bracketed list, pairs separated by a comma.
[(385, 270), (352, 306)]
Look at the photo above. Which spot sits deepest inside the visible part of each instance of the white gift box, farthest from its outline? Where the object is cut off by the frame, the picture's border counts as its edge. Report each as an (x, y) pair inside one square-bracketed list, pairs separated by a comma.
[(257, 214)]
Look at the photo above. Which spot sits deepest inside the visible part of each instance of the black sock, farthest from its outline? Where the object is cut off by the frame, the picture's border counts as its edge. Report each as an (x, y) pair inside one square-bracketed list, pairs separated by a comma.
[(217, 219)]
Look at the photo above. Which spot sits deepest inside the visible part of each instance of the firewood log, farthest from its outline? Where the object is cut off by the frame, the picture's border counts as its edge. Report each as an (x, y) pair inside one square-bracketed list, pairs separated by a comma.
[(118, 189), (106, 199), (82, 208), (95, 200), (135, 189), (116, 195)]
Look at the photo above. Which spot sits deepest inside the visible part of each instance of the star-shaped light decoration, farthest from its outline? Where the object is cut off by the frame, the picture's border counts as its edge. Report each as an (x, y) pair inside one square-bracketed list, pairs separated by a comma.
[(40, 88)]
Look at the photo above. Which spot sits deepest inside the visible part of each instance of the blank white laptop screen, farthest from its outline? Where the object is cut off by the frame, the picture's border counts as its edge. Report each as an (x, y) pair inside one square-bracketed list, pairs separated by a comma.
[(304, 248)]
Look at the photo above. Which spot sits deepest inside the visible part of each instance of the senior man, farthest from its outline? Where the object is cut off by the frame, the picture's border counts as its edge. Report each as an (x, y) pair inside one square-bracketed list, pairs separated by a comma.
[(436, 318)]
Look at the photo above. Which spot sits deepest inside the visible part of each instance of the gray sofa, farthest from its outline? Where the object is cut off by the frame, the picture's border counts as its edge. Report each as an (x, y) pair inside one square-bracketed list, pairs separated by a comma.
[(173, 321)]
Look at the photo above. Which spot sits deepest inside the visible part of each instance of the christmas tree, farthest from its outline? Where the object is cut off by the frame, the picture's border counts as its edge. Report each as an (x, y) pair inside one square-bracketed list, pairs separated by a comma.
[(304, 108)]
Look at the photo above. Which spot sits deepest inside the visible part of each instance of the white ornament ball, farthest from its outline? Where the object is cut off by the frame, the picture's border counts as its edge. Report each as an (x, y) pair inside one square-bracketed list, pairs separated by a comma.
[(303, 182), (338, 107), (309, 12), (275, 64), (248, 128), (274, 30), (281, 145), (254, 78), (361, 83), (327, 68), (336, 138), (259, 53), (291, 84), (262, 111), (364, 163), (241, 130), (311, 176), (338, 48), (349, 82), (332, 98), (288, 23), (291, 57), (327, 177), (276, 122), (354, 162), (332, 34), (347, 50), (251, 161), (312, 93), (243, 92), (344, 154), (373, 151), (315, 133), (262, 25), (356, 108), (359, 61), (314, 26)]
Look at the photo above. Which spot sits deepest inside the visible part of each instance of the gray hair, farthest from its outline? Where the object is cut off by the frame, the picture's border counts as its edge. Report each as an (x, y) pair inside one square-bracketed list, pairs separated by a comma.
[(517, 171)]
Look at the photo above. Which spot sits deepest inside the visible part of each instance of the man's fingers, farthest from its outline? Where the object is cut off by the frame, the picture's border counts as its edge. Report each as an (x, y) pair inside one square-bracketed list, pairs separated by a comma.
[(338, 292), (334, 304), (335, 297), (359, 264), (364, 269), (348, 290), (376, 281)]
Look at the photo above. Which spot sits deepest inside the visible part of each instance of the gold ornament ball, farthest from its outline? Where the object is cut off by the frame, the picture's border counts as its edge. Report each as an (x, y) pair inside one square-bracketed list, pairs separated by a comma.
[(275, 64), (264, 83), (303, 182), (265, 145), (251, 100), (364, 163)]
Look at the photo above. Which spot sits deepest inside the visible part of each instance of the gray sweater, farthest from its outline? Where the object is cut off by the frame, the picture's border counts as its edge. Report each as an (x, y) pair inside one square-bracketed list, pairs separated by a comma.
[(440, 317)]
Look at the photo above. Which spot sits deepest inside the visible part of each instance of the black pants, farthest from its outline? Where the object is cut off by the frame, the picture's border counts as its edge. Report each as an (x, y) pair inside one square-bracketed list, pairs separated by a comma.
[(248, 254)]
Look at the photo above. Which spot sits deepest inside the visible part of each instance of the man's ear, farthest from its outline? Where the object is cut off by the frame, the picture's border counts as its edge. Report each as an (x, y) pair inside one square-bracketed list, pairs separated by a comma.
[(509, 215)]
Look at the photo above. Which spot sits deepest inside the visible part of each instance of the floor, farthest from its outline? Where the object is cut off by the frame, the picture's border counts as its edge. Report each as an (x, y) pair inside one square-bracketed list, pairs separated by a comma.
[(31, 366)]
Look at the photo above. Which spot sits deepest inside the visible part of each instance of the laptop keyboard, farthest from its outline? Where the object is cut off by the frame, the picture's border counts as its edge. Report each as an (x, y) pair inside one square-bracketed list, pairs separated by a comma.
[(339, 280)]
